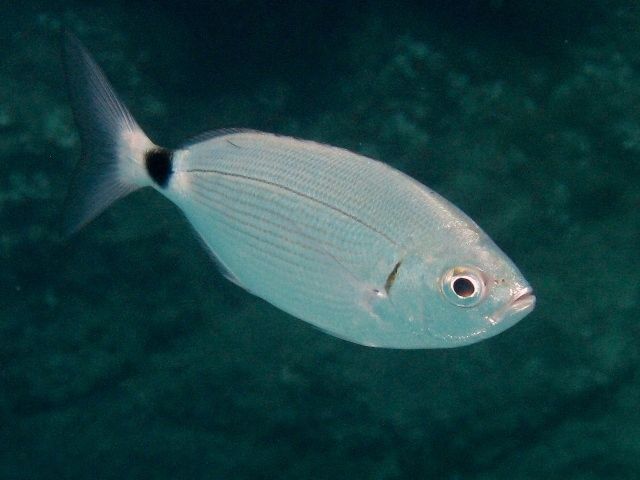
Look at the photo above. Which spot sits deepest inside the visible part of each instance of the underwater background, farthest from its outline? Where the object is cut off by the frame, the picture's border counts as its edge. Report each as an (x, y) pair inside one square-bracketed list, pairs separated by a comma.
[(125, 354)]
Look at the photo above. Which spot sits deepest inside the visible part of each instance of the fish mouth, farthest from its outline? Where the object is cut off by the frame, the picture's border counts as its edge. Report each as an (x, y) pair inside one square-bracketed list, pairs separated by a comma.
[(522, 303)]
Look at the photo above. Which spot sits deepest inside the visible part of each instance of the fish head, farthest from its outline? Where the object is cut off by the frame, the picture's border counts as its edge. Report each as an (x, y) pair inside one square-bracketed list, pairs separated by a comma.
[(468, 292)]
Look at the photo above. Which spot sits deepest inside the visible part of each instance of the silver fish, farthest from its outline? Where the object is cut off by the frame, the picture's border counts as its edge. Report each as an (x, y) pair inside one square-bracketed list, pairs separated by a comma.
[(346, 243)]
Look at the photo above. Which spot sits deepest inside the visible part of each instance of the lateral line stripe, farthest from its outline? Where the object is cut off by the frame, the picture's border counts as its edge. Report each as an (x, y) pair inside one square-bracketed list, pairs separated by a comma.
[(211, 192), (295, 192)]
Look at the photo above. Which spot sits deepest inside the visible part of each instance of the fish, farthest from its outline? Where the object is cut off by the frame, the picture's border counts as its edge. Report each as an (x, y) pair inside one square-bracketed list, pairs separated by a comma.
[(341, 241)]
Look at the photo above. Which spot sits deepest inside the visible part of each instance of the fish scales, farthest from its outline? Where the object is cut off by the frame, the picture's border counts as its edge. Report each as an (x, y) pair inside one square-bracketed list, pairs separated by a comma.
[(383, 198), (239, 208), (295, 190), (258, 241)]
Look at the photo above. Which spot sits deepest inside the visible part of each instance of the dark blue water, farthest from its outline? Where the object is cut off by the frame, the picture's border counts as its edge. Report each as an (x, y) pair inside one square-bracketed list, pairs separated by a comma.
[(125, 354)]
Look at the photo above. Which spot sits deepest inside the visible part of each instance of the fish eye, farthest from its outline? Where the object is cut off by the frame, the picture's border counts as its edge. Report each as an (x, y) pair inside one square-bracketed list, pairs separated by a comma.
[(463, 286)]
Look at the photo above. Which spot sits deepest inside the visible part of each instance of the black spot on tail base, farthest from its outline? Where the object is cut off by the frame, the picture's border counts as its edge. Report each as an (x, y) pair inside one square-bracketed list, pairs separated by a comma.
[(159, 163)]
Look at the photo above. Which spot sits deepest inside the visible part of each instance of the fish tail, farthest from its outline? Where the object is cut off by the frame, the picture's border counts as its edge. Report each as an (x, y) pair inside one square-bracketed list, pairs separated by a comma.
[(113, 145)]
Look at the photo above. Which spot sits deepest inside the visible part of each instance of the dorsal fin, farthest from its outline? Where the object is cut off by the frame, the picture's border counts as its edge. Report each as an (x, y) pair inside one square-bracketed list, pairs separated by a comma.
[(221, 132)]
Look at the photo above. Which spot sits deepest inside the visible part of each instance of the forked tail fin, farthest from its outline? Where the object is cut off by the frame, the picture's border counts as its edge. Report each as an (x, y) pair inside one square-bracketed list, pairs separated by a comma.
[(113, 145)]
